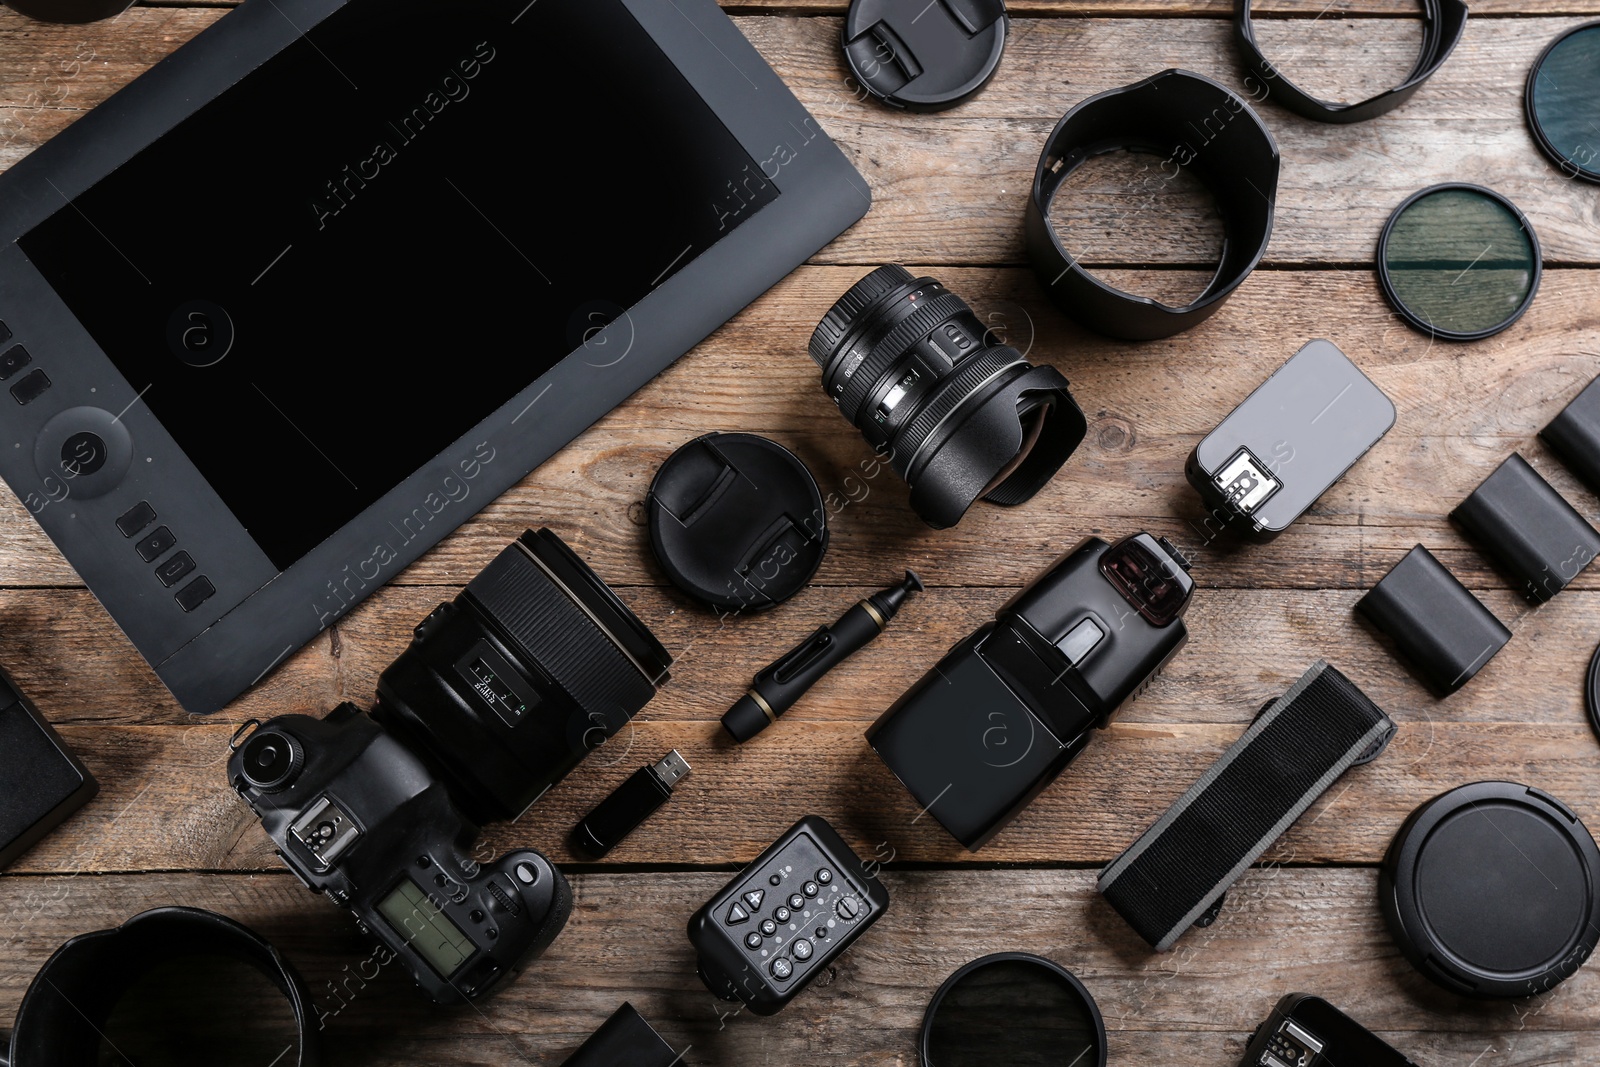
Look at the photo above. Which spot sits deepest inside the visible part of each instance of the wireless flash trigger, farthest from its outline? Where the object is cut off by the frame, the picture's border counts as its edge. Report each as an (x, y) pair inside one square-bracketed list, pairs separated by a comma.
[(1302, 429)]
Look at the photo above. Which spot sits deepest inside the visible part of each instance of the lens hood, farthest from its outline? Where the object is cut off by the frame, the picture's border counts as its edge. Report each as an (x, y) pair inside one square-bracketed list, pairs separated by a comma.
[(74, 994), (1443, 24), (1192, 123), (967, 456)]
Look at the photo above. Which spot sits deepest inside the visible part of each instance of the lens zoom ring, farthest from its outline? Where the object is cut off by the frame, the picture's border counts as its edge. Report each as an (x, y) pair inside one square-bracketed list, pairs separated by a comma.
[(558, 635), (831, 330), (952, 394), (885, 353)]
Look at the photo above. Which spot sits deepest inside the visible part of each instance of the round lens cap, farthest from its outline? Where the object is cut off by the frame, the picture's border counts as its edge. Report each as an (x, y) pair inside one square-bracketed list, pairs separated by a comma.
[(737, 521), (924, 55), (1493, 890), (1013, 1008), (69, 11), (1562, 99), (1459, 261)]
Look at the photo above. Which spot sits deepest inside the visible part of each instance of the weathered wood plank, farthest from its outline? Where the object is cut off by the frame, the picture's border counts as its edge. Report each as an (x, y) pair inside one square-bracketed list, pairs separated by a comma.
[(1289, 930), (1462, 410), (1245, 646), (165, 804), (1296, 9)]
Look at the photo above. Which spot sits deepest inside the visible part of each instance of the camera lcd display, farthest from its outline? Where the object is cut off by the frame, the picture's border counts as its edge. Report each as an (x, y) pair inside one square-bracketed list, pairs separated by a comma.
[(427, 929), (417, 226)]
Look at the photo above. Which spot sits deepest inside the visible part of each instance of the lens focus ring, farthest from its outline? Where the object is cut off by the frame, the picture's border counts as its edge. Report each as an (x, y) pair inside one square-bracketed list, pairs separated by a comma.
[(886, 353), (831, 330), (952, 393)]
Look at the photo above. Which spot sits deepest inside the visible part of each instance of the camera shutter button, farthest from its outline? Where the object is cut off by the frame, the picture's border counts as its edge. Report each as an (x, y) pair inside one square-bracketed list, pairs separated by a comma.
[(527, 873)]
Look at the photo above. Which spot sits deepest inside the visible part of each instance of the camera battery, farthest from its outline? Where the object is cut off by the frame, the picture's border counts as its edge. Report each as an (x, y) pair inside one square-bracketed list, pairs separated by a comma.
[(41, 781), (1290, 441)]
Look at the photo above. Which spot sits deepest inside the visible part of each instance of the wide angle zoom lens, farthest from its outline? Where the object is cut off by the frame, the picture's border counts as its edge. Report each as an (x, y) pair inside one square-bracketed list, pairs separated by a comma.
[(916, 372), (510, 686)]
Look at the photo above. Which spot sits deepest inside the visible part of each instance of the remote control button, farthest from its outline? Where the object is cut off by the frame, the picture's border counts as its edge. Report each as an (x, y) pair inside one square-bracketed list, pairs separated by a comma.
[(175, 569), (848, 909), (769, 927), (136, 518), (797, 902), (157, 544), (30, 388), (802, 950), (782, 914), (774, 880), (824, 876), (752, 940), (195, 593), (737, 914), (812, 889), (754, 898), (782, 968), (822, 933), (13, 361)]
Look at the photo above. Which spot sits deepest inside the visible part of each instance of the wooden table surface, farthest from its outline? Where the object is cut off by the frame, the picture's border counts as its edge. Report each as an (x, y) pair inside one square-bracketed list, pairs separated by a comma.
[(949, 192)]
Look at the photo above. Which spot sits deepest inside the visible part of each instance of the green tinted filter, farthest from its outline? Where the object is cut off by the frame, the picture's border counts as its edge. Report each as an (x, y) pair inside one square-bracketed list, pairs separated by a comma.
[(1459, 262), (1563, 101)]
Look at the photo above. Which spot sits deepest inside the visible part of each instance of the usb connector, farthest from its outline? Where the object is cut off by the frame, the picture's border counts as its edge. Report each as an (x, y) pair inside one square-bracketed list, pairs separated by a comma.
[(634, 801), (671, 769)]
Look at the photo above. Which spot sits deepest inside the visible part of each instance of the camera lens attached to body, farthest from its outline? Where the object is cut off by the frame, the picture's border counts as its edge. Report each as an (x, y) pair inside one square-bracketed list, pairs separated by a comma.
[(510, 686), (1013, 1008), (912, 368), (502, 692)]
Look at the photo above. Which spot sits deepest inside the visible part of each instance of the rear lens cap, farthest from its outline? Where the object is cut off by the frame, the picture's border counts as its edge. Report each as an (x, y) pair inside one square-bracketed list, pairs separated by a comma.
[(1015, 1009), (1493, 890), (1563, 98), (1459, 261), (737, 521), (924, 55)]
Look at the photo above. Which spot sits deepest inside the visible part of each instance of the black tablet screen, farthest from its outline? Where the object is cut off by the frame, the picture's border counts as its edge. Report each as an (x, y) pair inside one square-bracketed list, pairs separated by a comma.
[(339, 266)]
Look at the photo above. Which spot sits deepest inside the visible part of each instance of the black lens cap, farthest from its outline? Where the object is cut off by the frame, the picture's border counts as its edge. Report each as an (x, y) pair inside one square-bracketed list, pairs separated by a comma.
[(69, 11), (924, 55), (737, 521), (1016, 1009), (1562, 99), (1493, 890)]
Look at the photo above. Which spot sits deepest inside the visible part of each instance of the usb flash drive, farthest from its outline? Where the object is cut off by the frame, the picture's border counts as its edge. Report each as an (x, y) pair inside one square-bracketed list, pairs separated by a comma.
[(634, 801)]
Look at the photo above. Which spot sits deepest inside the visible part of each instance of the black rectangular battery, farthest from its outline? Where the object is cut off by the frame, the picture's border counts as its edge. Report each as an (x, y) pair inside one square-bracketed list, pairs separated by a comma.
[(41, 781)]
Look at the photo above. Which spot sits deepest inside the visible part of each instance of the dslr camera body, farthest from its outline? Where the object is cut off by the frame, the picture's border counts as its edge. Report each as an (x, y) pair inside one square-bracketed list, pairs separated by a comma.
[(358, 816), (1005, 711), (500, 695)]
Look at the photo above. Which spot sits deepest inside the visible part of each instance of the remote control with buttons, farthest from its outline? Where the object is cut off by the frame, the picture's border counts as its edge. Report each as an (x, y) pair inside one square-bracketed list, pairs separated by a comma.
[(785, 917)]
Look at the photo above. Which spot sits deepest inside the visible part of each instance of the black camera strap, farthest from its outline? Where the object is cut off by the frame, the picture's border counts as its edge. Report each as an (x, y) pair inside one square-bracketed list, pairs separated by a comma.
[(1298, 747)]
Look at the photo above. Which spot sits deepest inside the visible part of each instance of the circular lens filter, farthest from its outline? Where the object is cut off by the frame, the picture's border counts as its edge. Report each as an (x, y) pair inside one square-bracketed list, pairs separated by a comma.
[(1493, 890), (1459, 261), (1016, 1009), (1562, 99)]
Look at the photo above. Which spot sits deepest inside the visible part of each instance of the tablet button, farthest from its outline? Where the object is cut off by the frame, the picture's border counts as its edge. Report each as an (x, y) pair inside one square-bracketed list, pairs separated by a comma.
[(136, 518), (175, 569), (84, 453), (13, 361), (86, 449), (31, 388), (195, 593), (156, 544)]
